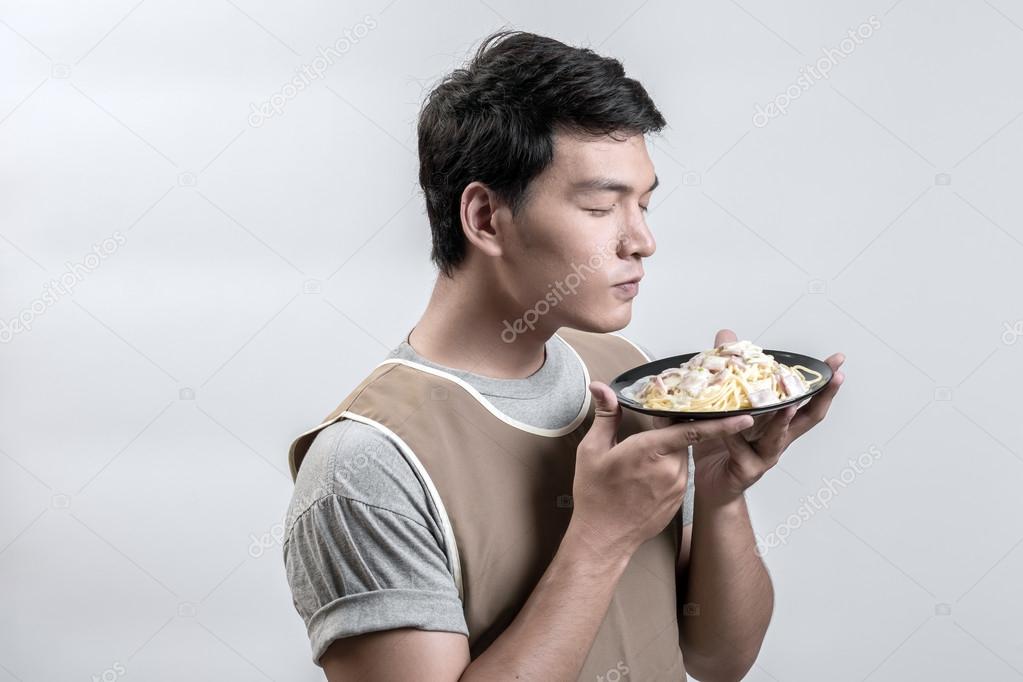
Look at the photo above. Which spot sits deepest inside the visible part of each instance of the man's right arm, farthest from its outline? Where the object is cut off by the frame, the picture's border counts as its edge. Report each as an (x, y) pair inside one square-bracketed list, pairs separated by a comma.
[(365, 561), (571, 599)]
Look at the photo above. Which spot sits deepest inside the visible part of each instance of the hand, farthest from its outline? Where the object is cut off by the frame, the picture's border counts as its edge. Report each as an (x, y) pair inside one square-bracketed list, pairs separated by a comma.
[(625, 493), (728, 465)]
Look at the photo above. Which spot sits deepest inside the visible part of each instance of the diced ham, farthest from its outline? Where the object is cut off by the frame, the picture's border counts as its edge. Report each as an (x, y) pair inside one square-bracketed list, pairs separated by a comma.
[(694, 382), (672, 377), (792, 386), (718, 378), (763, 397), (715, 363), (736, 348)]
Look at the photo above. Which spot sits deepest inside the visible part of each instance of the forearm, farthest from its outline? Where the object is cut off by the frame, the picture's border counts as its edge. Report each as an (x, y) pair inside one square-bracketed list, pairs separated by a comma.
[(553, 632), (730, 587)]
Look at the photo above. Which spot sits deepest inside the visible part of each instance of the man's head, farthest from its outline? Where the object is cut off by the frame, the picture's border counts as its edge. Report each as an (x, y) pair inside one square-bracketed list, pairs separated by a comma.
[(536, 175)]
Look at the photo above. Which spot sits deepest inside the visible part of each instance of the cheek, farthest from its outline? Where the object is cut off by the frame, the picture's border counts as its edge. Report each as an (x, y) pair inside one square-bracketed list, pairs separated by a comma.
[(571, 248)]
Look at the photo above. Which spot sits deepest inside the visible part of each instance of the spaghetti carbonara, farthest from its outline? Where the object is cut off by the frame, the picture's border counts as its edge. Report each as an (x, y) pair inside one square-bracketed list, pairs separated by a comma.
[(732, 376)]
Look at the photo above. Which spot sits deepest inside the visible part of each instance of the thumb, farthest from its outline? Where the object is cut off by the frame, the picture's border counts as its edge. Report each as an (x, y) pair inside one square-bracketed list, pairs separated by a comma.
[(724, 336), (607, 414)]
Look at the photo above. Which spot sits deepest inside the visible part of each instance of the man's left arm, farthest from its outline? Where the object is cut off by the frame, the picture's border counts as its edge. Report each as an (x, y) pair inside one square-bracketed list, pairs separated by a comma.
[(724, 594)]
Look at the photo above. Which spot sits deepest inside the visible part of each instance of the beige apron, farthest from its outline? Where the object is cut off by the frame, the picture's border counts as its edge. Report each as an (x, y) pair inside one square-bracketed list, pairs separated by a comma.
[(503, 490)]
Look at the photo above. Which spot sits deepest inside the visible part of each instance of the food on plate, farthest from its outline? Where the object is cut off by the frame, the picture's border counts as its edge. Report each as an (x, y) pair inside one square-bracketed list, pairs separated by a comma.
[(733, 376)]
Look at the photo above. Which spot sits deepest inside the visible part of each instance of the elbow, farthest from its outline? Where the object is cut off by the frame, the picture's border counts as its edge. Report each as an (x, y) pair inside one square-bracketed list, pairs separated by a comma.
[(720, 667), (732, 670)]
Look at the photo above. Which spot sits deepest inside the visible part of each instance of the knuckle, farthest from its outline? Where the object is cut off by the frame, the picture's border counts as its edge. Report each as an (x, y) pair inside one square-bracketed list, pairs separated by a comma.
[(644, 440)]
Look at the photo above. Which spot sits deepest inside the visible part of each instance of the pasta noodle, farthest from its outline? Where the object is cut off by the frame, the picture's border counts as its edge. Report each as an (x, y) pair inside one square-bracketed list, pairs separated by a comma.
[(733, 376)]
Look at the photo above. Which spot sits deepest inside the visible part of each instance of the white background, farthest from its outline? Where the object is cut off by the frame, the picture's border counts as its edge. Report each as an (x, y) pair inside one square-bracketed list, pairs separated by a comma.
[(265, 269)]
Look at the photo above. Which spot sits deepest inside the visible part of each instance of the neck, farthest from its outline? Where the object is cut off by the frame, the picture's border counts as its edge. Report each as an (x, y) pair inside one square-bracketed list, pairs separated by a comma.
[(464, 329)]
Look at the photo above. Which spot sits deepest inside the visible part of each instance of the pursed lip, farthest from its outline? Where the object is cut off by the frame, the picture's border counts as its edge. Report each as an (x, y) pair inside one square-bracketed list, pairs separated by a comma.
[(634, 280)]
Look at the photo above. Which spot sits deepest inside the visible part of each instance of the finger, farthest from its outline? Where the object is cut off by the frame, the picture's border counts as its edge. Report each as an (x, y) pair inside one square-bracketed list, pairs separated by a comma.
[(745, 462), (815, 411), (678, 437), (777, 437), (761, 422), (724, 336), (660, 421), (606, 417)]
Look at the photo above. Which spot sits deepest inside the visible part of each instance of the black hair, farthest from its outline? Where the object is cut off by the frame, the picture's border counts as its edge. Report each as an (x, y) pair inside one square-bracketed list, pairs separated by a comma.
[(494, 120)]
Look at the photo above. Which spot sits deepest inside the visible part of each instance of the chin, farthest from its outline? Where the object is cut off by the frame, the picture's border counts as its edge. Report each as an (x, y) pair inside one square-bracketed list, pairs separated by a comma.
[(611, 320)]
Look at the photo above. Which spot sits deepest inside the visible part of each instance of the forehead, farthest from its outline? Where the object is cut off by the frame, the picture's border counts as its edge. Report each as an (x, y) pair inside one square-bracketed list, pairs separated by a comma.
[(578, 159)]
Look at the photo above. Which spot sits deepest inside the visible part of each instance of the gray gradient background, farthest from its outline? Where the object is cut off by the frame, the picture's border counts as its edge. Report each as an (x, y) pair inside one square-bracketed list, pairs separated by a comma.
[(145, 417)]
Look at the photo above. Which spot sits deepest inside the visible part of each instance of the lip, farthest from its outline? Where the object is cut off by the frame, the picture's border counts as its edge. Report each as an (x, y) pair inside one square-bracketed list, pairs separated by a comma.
[(634, 280), (629, 289)]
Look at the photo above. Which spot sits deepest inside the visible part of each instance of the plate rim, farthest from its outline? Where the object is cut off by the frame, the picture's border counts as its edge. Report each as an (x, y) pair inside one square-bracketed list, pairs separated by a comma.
[(629, 404)]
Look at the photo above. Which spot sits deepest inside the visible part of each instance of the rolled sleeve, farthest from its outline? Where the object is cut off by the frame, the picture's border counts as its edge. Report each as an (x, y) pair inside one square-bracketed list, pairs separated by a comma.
[(354, 567)]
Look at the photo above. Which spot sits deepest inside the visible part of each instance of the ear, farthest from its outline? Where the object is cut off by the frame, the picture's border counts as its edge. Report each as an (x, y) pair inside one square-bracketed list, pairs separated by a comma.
[(481, 221)]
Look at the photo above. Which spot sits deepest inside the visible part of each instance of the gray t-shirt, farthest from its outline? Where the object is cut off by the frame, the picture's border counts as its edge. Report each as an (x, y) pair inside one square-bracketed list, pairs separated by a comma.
[(363, 547)]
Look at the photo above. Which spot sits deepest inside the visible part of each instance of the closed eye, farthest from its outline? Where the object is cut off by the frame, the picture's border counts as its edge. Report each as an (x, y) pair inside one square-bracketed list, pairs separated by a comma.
[(605, 211)]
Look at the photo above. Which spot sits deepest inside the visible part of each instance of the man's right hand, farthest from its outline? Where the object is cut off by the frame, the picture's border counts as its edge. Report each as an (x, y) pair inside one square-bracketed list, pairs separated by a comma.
[(625, 493)]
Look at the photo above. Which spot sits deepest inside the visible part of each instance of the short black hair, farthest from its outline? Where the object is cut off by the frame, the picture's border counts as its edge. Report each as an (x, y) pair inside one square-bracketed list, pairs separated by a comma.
[(494, 120)]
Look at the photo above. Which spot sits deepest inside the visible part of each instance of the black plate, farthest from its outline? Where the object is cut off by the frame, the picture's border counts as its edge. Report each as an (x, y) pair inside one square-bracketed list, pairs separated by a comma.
[(626, 379)]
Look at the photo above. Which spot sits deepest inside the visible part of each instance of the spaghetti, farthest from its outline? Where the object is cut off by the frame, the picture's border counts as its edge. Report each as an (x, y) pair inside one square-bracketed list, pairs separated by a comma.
[(733, 376)]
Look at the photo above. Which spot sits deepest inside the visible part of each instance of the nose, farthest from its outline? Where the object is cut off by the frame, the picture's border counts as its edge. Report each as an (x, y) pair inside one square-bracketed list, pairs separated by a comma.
[(636, 238)]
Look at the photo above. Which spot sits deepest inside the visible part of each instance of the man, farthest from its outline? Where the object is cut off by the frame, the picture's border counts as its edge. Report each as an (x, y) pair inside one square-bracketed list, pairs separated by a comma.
[(480, 507)]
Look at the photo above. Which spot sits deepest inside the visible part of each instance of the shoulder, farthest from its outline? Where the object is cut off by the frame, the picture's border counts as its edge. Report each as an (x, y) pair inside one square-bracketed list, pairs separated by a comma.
[(358, 463)]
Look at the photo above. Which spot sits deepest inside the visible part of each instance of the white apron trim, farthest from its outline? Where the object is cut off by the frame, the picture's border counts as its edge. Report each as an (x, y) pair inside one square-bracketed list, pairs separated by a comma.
[(510, 421), (450, 546), (631, 343)]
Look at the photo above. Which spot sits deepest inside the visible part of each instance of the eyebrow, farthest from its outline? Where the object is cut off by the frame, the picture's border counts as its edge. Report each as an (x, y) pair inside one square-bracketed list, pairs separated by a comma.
[(609, 185)]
